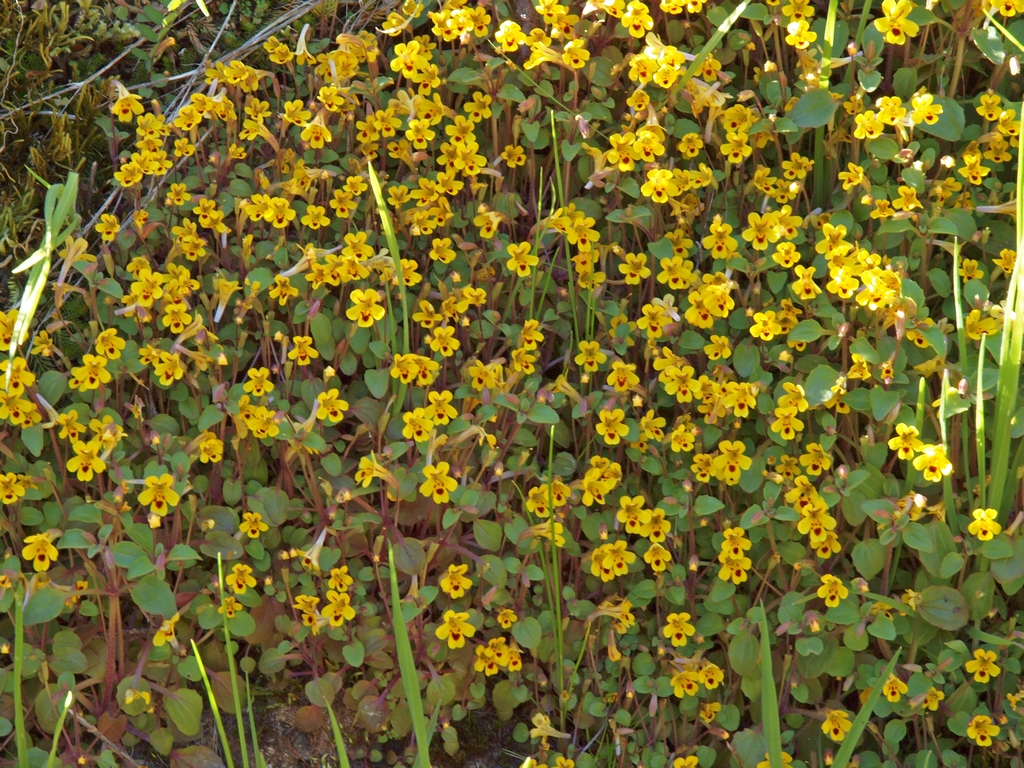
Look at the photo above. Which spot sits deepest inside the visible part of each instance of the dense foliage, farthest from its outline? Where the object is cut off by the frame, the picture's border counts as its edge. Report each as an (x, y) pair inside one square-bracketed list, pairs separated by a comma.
[(682, 324)]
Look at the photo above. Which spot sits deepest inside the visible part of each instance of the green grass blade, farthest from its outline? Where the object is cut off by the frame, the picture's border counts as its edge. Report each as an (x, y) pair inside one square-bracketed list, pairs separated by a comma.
[(58, 208), (860, 722), (20, 732), (560, 197), (947, 480), (260, 762), (979, 423), (711, 45), (216, 710), (1009, 362), (339, 742), (961, 340), (821, 191), (830, 38), (239, 718), (919, 424), (1004, 30), (769, 698), (60, 728), (396, 256), (407, 666)]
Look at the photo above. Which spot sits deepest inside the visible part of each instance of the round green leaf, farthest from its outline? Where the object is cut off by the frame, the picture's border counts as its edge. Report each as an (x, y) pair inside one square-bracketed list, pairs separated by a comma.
[(943, 607)]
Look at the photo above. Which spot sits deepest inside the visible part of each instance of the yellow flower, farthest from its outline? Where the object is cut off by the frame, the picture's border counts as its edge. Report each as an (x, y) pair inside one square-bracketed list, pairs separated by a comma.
[(799, 34), (894, 23), (765, 326), (316, 133), (894, 688), (455, 583), (258, 383), (932, 698), (303, 352), (933, 463), (590, 356), (315, 217), (331, 406), (678, 628), (365, 309), (506, 618), (837, 724), (611, 426), (905, 442), (513, 155), (521, 261), (159, 494), (637, 19), (240, 578), (610, 561), (90, 374), (575, 54), (982, 729), (455, 628), (437, 483), (108, 227), (983, 666), (229, 607), (130, 695), (709, 711), (165, 634), (787, 760), (252, 525), (86, 460), (127, 106), (40, 550), (984, 525), (660, 185)]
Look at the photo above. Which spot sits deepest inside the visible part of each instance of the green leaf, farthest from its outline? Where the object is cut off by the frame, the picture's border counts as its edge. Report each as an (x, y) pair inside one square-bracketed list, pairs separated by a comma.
[(1005, 570), (743, 652), (510, 93), (320, 329), (154, 596), (32, 437), (542, 414), (211, 415), (916, 536), (882, 148), (528, 633), (814, 109), (377, 382), (806, 330), (954, 222), (745, 358), (44, 605), (354, 653), (869, 557), (942, 545), (951, 122), (488, 534), (185, 708), (884, 402), (818, 386), (990, 43), (707, 505), (943, 607)]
